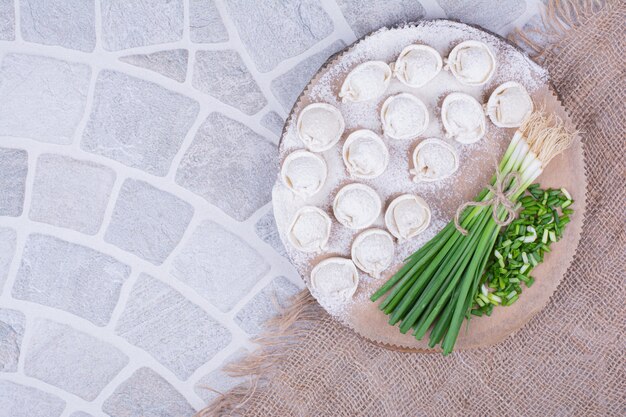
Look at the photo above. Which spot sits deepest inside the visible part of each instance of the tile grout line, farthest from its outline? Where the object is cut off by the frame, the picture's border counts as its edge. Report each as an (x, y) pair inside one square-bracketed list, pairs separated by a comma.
[(168, 46), (432, 10), (233, 36), (112, 201), (214, 364), (122, 376), (283, 67), (18, 20), (79, 131), (346, 32), (122, 300), (25, 345), (278, 261), (186, 23), (186, 39), (98, 25), (20, 222), (38, 384), (201, 117), (191, 61)]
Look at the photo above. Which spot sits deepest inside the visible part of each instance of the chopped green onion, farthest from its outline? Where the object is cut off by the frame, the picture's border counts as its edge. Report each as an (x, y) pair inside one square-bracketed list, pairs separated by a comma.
[(511, 300), (522, 245), (494, 298)]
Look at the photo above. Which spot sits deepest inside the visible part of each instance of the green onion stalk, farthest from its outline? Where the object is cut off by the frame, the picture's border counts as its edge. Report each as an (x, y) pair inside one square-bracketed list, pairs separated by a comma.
[(436, 287)]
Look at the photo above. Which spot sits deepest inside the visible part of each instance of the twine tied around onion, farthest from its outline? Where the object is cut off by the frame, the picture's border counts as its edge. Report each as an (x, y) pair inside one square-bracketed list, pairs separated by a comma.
[(500, 198)]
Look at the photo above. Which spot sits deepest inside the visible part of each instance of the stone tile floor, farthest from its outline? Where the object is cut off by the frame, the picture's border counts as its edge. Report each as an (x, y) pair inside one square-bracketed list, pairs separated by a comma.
[(138, 251)]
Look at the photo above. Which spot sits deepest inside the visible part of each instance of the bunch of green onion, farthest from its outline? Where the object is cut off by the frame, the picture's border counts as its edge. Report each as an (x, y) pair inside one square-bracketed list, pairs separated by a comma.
[(437, 285)]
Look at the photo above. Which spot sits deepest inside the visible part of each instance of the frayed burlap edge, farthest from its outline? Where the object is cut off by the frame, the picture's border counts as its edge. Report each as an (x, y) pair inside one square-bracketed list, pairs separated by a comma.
[(558, 17), (286, 329), (293, 323)]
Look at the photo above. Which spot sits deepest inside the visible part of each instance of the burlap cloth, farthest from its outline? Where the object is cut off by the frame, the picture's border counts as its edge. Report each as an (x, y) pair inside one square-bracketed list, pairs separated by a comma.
[(568, 361)]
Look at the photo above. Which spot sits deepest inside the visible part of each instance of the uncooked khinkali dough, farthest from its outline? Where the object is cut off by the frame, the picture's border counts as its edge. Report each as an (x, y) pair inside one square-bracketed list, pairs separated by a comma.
[(366, 81), (335, 279), (356, 206), (304, 173), (417, 65), (320, 126), (433, 160), (407, 216), (372, 251), (365, 154), (509, 105), (309, 230), (463, 118), (472, 63), (404, 116)]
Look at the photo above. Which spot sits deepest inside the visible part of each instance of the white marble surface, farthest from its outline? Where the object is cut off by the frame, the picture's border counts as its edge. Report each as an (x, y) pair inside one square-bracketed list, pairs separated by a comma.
[(138, 143)]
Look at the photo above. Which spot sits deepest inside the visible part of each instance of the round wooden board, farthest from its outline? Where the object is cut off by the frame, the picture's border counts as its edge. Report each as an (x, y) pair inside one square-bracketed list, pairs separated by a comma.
[(566, 171)]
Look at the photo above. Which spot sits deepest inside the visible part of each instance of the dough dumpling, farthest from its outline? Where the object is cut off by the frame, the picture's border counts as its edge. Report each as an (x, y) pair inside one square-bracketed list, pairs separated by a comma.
[(463, 118), (320, 126), (365, 154), (304, 173), (335, 280), (404, 116), (509, 105), (309, 229), (407, 216), (472, 63), (366, 81), (417, 65)]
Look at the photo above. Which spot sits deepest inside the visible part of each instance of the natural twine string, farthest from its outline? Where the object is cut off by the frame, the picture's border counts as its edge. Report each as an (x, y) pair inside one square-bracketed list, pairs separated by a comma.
[(500, 198)]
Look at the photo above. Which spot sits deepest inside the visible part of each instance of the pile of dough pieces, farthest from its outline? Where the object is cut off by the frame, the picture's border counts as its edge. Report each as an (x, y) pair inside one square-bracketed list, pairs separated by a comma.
[(356, 206)]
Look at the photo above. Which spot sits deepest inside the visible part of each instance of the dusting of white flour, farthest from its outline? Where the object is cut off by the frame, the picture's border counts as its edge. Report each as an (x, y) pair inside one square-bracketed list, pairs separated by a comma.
[(444, 196)]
